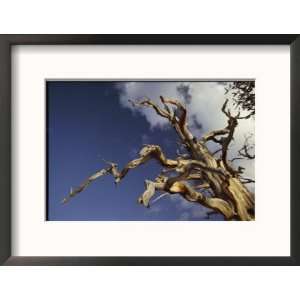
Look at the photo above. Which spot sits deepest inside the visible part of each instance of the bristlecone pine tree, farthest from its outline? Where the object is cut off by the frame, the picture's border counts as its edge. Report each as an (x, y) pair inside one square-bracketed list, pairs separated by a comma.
[(202, 176)]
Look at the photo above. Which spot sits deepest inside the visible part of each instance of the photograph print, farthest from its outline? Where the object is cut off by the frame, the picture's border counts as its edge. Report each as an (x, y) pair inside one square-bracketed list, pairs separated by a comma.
[(150, 150)]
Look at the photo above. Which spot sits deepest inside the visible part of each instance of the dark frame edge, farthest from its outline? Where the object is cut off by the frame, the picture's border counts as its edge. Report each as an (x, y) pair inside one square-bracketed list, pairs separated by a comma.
[(295, 149), (148, 39), (148, 261), (6, 41), (5, 150)]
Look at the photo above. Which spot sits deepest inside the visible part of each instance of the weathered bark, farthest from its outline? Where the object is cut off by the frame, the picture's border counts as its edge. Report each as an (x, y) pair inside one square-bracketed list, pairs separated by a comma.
[(229, 195)]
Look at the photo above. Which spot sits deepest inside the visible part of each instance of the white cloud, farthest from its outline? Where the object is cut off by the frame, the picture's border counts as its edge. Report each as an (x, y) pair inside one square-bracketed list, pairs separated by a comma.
[(138, 90), (204, 108)]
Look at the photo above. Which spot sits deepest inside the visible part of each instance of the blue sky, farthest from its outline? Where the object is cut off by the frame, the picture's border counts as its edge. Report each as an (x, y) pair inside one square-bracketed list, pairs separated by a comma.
[(91, 121)]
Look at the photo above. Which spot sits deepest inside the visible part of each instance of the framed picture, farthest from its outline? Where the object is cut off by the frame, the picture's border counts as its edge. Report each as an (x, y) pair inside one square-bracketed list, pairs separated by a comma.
[(149, 149)]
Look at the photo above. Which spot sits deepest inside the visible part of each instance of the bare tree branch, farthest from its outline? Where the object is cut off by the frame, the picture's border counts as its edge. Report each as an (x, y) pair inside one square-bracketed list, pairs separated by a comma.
[(246, 180), (199, 176), (190, 194), (244, 151), (212, 135), (151, 187), (86, 183), (148, 152), (148, 103)]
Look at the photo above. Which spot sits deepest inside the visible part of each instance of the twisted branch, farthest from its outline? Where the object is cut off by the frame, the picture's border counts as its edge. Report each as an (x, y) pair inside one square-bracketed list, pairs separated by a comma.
[(214, 175)]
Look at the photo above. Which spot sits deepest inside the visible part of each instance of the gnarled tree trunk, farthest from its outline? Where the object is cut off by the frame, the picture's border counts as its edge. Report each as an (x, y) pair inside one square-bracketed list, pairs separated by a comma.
[(220, 186)]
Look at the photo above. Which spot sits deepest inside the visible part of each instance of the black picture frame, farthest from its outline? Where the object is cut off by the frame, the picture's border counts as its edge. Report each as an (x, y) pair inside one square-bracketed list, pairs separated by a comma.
[(6, 43)]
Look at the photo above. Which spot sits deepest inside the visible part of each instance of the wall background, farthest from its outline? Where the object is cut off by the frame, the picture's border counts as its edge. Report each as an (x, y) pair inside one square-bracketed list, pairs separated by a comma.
[(133, 16)]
